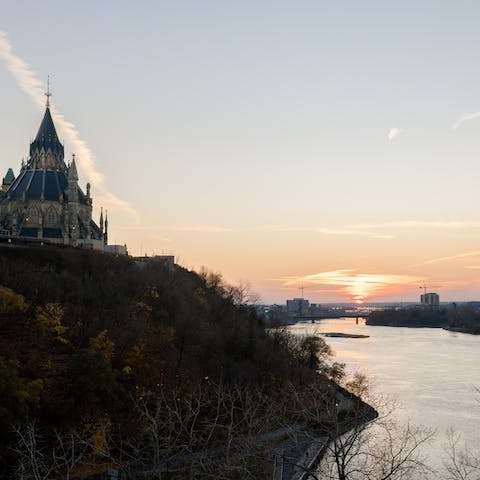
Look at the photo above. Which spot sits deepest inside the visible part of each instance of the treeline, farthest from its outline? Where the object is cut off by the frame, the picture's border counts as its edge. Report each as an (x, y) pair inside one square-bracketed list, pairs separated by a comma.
[(463, 319), (104, 360)]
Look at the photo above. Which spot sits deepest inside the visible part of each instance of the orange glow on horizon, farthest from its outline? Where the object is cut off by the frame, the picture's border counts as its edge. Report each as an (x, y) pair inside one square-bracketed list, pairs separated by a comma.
[(359, 287)]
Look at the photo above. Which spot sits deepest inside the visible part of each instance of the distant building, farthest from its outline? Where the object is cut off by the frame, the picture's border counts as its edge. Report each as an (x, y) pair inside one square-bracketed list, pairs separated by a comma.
[(116, 249), (167, 261), (430, 299), (298, 306), (315, 309)]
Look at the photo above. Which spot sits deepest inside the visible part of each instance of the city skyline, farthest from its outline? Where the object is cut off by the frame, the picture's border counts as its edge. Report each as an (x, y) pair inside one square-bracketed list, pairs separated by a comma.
[(331, 146)]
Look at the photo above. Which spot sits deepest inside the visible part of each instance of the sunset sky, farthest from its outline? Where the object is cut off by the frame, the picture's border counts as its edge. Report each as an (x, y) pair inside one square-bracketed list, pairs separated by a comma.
[(329, 144)]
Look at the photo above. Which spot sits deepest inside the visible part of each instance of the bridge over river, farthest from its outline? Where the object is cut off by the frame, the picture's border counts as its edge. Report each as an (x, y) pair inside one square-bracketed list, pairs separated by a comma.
[(333, 314)]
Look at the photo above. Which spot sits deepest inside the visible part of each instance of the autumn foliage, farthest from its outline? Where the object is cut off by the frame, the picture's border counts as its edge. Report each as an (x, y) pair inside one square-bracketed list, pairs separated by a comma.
[(92, 344)]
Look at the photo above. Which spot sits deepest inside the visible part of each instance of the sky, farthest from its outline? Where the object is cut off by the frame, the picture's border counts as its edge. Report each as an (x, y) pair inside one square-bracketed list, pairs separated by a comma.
[(333, 145)]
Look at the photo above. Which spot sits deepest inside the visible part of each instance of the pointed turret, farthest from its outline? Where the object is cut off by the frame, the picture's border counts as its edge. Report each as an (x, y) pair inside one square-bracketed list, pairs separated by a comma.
[(105, 235), (101, 219), (72, 178), (8, 179), (47, 132), (47, 139), (72, 171), (46, 151)]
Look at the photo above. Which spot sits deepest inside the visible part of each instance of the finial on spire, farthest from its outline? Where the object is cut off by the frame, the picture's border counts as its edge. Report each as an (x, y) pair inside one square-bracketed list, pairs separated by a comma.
[(47, 93)]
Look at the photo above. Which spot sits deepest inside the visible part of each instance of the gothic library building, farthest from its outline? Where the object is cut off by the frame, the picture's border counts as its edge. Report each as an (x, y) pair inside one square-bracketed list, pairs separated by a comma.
[(45, 202)]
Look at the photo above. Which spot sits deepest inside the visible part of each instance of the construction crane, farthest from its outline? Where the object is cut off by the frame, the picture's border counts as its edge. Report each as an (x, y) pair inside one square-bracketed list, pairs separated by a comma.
[(423, 298), (302, 288), (424, 289)]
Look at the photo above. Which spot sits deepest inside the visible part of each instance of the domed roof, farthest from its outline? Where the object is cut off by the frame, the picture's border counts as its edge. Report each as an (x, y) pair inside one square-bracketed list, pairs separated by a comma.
[(42, 184)]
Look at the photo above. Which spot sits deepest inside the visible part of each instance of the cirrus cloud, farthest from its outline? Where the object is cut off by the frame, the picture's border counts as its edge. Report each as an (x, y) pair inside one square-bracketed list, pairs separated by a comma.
[(465, 117), (473, 253)]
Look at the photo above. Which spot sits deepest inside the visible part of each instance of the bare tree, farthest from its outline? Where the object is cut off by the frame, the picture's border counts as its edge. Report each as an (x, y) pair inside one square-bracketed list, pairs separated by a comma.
[(40, 458), (352, 442), (377, 450), (33, 461), (210, 432), (242, 294), (462, 464)]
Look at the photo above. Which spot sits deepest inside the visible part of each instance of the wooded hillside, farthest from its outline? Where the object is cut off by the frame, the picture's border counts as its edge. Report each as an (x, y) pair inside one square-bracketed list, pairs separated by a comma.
[(105, 360)]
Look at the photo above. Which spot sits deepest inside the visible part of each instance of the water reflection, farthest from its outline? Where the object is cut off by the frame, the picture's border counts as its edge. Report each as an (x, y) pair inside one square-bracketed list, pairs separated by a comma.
[(430, 371)]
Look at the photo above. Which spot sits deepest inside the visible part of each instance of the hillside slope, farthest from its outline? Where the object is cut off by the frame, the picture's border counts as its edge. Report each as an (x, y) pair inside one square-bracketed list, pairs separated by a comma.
[(108, 360)]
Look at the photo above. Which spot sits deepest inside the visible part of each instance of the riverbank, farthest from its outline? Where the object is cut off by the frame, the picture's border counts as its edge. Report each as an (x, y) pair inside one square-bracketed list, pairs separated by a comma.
[(298, 456), (464, 319)]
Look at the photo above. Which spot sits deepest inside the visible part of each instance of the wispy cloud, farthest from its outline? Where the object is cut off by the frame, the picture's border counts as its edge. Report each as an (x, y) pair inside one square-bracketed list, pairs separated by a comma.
[(400, 224), (200, 229), (182, 228), (352, 232), (28, 81), (358, 286), (161, 238), (393, 133), (473, 253), (267, 228), (367, 230), (342, 231), (465, 118)]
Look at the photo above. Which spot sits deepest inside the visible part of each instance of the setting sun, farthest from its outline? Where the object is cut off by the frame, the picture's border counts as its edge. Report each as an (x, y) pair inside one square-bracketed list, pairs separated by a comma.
[(356, 287)]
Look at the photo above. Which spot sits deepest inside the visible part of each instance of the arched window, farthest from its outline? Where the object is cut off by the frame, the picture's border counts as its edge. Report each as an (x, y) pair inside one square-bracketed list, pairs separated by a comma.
[(32, 215), (51, 215)]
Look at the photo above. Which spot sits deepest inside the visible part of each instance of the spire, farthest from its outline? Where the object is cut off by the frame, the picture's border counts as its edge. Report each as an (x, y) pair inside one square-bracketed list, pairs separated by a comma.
[(101, 219), (47, 133), (47, 93), (105, 235), (72, 170), (45, 141)]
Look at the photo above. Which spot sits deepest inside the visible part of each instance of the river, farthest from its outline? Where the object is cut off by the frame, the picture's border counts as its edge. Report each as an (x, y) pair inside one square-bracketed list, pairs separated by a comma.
[(431, 372)]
